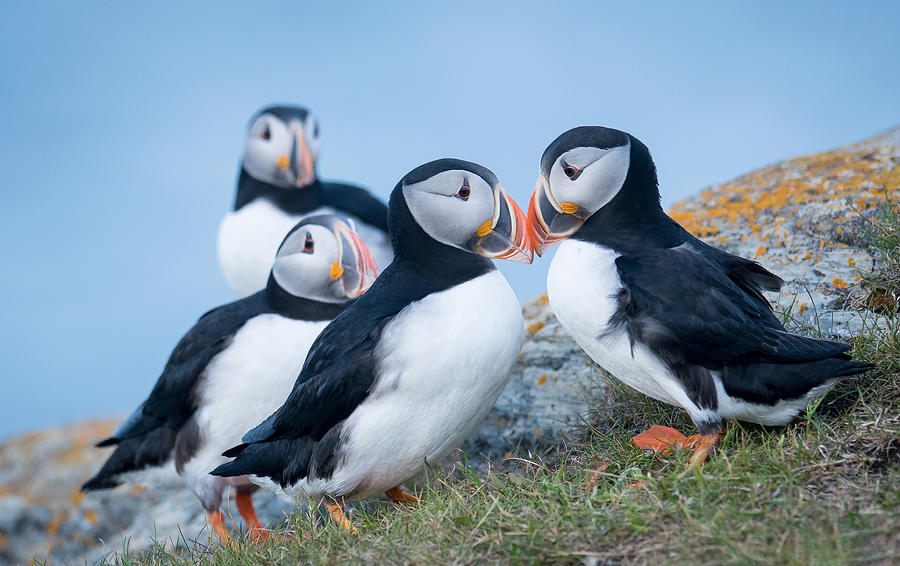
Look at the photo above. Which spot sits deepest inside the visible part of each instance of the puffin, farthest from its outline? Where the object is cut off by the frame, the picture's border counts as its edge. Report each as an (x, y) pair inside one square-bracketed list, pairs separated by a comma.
[(277, 186), (236, 366), (662, 311), (402, 376)]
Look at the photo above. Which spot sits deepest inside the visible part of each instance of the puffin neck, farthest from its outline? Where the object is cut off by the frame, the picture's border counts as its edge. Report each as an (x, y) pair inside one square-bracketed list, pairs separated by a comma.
[(414, 249), (300, 308), (296, 200), (634, 220)]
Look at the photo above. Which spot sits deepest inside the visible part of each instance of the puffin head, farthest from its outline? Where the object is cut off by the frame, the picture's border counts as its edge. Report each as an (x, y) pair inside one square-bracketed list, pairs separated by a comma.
[(322, 258), (584, 171), (282, 147), (462, 205)]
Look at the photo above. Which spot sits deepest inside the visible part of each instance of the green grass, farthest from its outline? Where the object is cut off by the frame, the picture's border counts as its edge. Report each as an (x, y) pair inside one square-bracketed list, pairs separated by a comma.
[(824, 490)]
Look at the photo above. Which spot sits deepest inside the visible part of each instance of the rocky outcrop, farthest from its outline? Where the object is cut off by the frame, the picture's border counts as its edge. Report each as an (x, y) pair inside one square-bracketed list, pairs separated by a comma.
[(802, 218)]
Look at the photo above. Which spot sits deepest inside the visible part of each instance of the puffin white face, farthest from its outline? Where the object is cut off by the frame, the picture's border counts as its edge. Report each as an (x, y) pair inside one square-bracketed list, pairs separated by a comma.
[(580, 181), (323, 259), (461, 209), (281, 152)]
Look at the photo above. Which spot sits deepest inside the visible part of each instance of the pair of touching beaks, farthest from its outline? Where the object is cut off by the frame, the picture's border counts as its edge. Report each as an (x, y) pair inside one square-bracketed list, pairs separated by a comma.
[(508, 235), (513, 236)]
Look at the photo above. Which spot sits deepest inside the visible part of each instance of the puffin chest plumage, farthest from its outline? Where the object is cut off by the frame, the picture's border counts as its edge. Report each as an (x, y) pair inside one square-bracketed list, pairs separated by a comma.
[(443, 362), (582, 285)]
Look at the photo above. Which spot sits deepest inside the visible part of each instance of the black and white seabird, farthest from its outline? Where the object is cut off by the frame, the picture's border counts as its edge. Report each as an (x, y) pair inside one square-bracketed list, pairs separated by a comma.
[(403, 375), (665, 313), (277, 187), (236, 366)]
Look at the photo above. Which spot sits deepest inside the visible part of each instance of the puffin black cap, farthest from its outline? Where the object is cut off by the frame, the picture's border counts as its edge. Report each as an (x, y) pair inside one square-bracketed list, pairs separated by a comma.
[(432, 168), (285, 113)]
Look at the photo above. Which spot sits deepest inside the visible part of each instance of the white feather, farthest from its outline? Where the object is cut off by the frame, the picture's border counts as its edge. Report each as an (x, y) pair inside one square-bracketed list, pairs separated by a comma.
[(443, 362), (242, 386)]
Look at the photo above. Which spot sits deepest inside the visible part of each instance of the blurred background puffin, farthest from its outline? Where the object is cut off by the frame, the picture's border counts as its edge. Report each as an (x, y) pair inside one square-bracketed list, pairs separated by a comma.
[(277, 187), (665, 313), (236, 366), (402, 376)]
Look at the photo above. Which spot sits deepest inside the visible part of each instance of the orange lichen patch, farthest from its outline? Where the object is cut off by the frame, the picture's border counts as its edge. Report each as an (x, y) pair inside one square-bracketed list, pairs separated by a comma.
[(808, 256), (54, 524), (744, 238), (5, 490), (542, 299), (587, 362), (542, 379), (839, 283), (534, 327), (851, 262), (91, 517), (537, 432), (857, 279), (136, 489), (76, 497), (760, 251), (801, 309), (847, 173), (721, 239)]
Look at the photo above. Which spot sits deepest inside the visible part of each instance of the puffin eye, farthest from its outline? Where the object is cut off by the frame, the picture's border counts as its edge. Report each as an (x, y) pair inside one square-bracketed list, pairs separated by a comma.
[(309, 246), (571, 171), (464, 191), (266, 134), (315, 129)]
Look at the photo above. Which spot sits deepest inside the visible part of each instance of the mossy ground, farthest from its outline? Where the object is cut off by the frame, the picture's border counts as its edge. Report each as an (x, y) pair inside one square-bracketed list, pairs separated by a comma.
[(824, 490)]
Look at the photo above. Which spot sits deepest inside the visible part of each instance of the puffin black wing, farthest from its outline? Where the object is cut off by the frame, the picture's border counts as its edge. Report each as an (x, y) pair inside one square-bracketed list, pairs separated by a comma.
[(357, 202), (171, 401), (700, 309)]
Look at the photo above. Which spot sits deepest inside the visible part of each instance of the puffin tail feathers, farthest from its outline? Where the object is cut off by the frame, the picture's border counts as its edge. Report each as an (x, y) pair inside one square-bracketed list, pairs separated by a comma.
[(285, 461), (132, 455)]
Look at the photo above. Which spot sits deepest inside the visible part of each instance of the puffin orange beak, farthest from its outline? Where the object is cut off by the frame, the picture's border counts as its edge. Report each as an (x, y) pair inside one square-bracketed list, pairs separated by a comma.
[(505, 235), (356, 266), (302, 163), (550, 222)]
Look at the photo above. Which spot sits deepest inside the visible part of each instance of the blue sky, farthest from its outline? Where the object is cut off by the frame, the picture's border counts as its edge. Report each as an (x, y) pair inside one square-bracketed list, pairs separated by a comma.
[(121, 128)]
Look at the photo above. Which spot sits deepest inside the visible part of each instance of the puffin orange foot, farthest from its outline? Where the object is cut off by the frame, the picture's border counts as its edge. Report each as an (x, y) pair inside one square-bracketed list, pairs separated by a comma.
[(217, 521), (660, 439), (336, 512), (244, 503), (399, 495), (705, 444)]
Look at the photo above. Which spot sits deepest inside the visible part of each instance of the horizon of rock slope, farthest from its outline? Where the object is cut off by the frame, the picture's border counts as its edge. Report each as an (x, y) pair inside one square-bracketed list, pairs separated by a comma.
[(792, 216)]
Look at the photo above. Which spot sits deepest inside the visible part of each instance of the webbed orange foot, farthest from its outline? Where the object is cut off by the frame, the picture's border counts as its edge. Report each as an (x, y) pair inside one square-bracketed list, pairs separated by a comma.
[(705, 444), (336, 512), (660, 439), (401, 496)]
